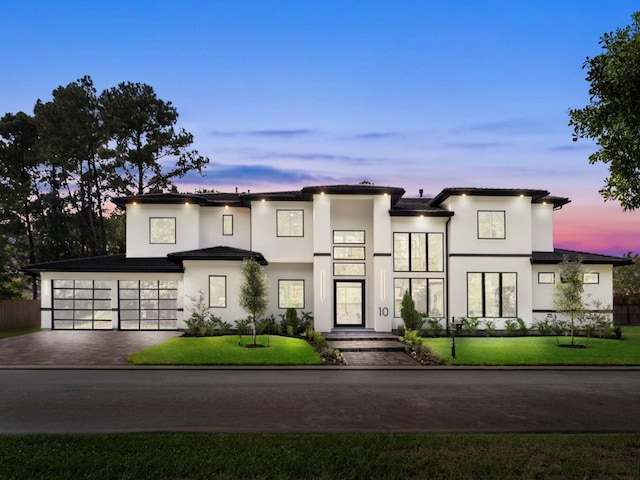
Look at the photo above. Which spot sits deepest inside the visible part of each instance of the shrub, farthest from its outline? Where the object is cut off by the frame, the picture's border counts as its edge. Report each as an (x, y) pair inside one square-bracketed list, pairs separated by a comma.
[(412, 319), (544, 326), (434, 326), (242, 327), (490, 327), (522, 327), (470, 324), (510, 326), (411, 338), (401, 330)]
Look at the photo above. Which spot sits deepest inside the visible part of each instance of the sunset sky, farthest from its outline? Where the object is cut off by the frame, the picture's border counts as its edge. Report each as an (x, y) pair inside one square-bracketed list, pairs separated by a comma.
[(284, 94)]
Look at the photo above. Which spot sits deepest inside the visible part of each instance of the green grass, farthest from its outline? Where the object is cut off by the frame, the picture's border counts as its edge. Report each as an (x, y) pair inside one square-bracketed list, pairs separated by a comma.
[(320, 456), (539, 350), (225, 350), (15, 333)]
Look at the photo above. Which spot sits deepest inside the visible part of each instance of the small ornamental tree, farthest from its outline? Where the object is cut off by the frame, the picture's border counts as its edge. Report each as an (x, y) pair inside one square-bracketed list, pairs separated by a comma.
[(410, 316), (253, 291), (569, 292)]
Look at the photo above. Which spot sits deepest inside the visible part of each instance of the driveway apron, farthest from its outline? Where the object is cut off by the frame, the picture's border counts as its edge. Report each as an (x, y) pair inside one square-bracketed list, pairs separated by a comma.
[(74, 347)]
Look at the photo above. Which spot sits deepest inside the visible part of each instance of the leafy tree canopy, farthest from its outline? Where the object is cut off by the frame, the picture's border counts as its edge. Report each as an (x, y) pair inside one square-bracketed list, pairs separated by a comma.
[(612, 117), (626, 281)]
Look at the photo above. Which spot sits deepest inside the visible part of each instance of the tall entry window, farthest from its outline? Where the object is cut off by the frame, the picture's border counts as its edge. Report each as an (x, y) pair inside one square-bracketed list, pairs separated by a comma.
[(349, 303), (492, 295)]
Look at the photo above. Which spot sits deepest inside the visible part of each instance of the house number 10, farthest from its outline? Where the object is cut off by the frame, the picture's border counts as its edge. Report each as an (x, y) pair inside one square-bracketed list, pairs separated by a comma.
[(384, 311)]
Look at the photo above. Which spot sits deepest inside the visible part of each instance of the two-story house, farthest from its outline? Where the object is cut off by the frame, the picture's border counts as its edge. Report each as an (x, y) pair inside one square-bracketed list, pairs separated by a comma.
[(346, 253)]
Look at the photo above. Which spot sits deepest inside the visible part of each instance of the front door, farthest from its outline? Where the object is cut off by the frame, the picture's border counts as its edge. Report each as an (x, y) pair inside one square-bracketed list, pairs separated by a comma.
[(349, 303)]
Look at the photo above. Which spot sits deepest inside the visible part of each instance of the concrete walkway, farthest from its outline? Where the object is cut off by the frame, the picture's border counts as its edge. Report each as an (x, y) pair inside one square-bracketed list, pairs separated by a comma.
[(74, 347)]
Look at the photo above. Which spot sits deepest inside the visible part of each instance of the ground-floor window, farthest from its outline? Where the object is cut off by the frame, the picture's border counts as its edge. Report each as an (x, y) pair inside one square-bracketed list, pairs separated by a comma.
[(81, 304), (290, 293), (148, 304), (427, 294), (218, 291), (492, 295)]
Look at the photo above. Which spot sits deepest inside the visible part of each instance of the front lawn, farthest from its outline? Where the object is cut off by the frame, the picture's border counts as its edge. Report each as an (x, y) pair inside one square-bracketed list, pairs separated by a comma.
[(320, 456), (225, 350), (15, 333), (539, 350)]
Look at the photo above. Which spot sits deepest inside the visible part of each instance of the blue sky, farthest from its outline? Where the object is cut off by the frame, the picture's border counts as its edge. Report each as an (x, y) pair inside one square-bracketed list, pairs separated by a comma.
[(283, 94)]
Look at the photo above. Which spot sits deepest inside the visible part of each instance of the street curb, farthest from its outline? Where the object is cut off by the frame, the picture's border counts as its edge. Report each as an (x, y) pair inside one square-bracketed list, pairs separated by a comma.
[(438, 368)]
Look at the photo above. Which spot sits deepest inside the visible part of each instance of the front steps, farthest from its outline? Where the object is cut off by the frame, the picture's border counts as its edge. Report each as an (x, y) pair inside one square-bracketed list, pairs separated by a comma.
[(365, 347), (363, 341)]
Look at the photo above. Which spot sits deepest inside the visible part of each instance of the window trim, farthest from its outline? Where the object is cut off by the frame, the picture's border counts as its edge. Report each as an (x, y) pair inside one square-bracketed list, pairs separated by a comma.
[(337, 264), (175, 231), (303, 291), (428, 281), (282, 210), (504, 224), (342, 247), (597, 278), (224, 218), (426, 234), (225, 291), (553, 278), (500, 303), (364, 237)]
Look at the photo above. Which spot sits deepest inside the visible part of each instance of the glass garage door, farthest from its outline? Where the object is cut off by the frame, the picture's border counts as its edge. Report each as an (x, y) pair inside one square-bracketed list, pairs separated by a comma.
[(148, 304), (81, 304)]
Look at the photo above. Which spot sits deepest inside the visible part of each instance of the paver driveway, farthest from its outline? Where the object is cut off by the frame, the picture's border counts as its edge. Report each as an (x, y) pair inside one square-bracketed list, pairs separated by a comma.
[(65, 347)]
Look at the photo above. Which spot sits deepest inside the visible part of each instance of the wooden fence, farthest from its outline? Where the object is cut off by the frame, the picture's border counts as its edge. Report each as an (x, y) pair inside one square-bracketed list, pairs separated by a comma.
[(626, 314), (18, 314)]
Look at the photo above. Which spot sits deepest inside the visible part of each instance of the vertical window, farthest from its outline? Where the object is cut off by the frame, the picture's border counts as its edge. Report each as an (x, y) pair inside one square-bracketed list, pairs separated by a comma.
[(427, 294), (290, 293), (492, 295), (290, 223), (218, 291), (418, 252), (162, 230), (227, 224), (491, 224), (148, 304)]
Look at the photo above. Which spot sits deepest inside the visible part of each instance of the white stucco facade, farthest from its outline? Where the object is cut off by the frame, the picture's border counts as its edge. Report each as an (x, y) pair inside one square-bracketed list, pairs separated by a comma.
[(344, 253)]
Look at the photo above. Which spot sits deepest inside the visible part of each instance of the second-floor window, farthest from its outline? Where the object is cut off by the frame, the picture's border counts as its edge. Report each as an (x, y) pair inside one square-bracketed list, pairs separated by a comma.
[(162, 230), (418, 252), (227, 224), (491, 224), (290, 223)]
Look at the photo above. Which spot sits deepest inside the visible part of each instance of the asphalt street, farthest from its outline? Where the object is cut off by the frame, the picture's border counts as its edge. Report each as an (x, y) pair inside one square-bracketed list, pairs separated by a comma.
[(323, 400)]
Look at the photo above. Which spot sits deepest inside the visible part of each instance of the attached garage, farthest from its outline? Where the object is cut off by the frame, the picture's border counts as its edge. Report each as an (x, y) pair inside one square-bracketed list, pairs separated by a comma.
[(110, 292)]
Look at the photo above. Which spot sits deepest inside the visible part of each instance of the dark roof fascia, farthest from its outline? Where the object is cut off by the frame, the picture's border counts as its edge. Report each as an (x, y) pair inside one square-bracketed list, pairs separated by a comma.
[(558, 202), (160, 198), (107, 263), (294, 196), (556, 257), (488, 192), (420, 213), (396, 193), (218, 254)]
